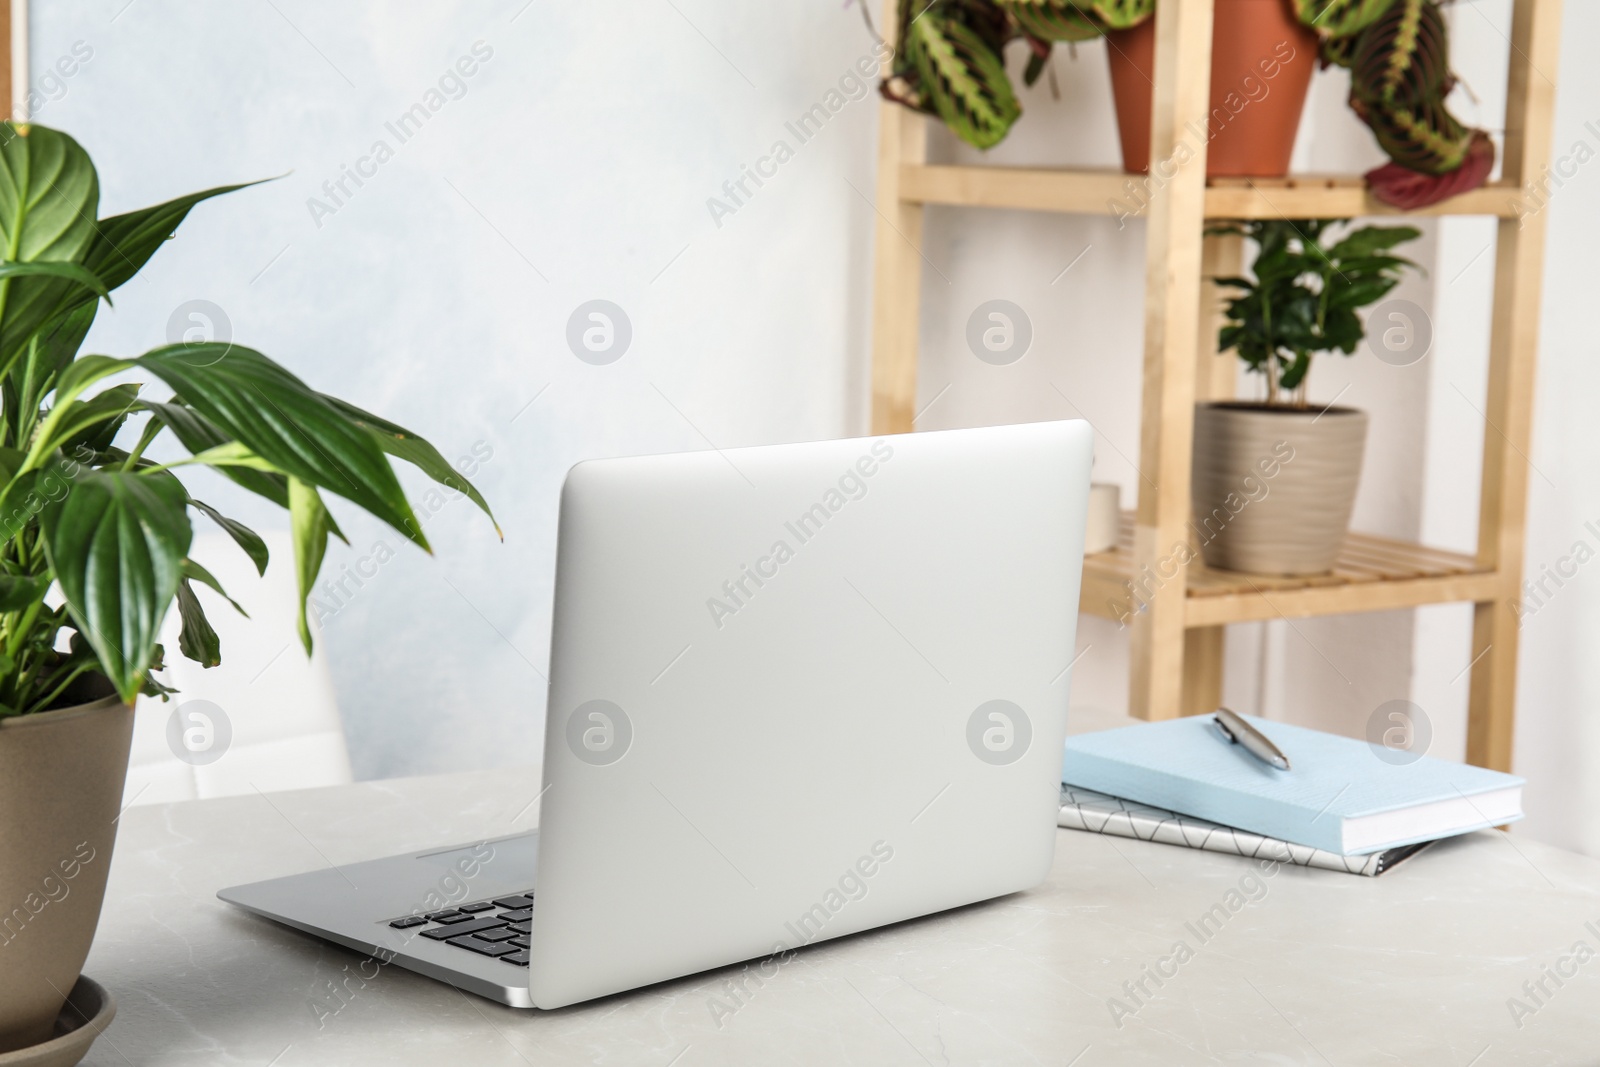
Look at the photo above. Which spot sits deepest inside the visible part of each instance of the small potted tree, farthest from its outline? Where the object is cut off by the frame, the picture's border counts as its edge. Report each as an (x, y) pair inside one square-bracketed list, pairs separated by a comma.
[(1274, 480), (94, 546)]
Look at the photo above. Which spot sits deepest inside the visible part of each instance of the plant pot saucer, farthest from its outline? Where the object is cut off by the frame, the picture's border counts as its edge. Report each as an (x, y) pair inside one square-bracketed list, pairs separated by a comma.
[(88, 1011)]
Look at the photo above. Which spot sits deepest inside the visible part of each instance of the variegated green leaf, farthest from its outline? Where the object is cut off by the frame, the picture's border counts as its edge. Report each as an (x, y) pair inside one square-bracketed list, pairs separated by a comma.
[(1117, 14), (1053, 20), (963, 78), (1340, 18)]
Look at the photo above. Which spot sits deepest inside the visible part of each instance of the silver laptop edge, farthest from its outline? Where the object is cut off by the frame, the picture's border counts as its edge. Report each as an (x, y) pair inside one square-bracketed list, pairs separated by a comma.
[(796, 692)]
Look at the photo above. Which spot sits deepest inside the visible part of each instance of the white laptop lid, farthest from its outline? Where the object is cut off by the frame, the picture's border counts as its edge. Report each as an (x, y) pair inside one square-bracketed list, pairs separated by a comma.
[(800, 691)]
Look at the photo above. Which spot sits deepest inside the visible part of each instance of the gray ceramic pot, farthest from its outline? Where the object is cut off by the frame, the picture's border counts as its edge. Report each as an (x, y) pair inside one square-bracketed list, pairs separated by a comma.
[(1273, 487), (61, 778)]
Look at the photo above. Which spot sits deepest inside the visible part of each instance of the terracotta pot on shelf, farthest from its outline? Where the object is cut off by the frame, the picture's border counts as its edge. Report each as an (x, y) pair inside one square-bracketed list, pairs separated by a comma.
[(1262, 59), (1272, 487), (61, 779)]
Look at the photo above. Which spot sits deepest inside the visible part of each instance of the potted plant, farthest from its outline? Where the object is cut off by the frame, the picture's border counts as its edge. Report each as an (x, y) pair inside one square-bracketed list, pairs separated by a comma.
[(1262, 59), (1274, 480), (951, 63), (94, 537)]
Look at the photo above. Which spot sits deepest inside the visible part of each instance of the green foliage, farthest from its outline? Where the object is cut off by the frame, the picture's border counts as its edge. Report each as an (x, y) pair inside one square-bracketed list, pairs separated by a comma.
[(1340, 18), (1112, 14), (1305, 295), (964, 77), (110, 528), (1399, 78), (1052, 20), (951, 62), (1398, 54)]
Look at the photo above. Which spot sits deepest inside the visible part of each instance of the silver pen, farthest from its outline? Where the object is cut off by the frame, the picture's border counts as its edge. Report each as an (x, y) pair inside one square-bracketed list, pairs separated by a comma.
[(1240, 732)]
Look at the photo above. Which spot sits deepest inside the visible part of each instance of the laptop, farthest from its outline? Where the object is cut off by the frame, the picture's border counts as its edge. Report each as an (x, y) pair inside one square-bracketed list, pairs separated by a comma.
[(796, 692)]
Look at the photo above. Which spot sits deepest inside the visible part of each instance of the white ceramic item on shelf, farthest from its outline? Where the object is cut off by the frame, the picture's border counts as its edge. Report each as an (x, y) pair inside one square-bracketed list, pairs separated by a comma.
[(1105, 514)]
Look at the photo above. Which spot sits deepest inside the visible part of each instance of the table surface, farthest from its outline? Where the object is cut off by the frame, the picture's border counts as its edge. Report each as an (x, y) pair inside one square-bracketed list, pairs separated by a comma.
[(1424, 965)]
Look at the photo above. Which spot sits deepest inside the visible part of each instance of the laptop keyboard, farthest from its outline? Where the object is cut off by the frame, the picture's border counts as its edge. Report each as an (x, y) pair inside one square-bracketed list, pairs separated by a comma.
[(498, 927)]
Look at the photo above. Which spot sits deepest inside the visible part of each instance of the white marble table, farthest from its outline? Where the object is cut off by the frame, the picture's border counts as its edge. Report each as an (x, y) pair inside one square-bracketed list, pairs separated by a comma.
[(1314, 967)]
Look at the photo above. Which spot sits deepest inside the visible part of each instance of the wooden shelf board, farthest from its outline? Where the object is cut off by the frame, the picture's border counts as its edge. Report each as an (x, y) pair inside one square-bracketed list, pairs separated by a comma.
[(1371, 574), (1115, 193)]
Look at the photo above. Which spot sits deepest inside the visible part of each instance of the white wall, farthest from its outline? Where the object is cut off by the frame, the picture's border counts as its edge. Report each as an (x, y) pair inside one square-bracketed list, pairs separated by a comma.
[(1558, 740), (581, 157), (576, 165)]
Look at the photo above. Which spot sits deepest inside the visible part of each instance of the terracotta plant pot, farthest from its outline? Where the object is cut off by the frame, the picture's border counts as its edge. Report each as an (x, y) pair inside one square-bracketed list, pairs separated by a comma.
[(1273, 488), (1262, 59), (61, 778)]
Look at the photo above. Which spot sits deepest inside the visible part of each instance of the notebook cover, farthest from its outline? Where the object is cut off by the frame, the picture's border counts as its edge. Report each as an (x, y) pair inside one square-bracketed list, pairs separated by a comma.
[(1185, 765), (1084, 809)]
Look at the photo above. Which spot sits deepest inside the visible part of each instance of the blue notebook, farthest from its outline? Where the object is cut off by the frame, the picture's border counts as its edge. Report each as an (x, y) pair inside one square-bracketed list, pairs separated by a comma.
[(1339, 796)]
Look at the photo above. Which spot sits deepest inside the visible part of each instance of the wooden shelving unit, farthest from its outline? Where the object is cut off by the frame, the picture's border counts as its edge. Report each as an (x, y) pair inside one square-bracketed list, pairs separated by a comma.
[(1177, 622), (1371, 574)]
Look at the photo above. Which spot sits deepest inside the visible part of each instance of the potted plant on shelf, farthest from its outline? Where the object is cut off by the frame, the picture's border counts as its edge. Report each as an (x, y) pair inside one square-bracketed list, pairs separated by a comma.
[(951, 63), (94, 539), (1262, 59), (1274, 481)]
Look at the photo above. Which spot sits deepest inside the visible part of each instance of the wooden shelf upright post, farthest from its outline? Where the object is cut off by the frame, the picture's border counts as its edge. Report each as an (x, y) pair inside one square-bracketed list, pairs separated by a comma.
[(1175, 222), (897, 274), (1508, 410)]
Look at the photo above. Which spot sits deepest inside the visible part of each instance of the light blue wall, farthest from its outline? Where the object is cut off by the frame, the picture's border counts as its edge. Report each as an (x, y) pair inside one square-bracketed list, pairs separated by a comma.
[(575, 165)]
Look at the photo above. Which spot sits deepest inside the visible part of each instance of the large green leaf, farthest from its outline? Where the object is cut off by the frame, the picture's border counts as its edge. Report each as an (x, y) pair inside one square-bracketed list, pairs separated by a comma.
[(94, 421), (403, 444), (125, 243), (254, 401), (39, 297), (79, 276), (59, 342), (197, 433), (308, 523), (116, 543), (73, 381), (49, 194), (964, 78), (48, 354)]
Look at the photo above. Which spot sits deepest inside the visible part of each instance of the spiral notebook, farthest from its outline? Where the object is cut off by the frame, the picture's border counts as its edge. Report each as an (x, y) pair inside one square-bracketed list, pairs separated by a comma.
[(1097, 813)]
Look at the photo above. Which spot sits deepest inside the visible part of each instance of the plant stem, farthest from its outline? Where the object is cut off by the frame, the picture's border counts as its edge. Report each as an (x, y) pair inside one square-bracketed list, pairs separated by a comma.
[(44, 702), (20, 634), (145, 440)]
